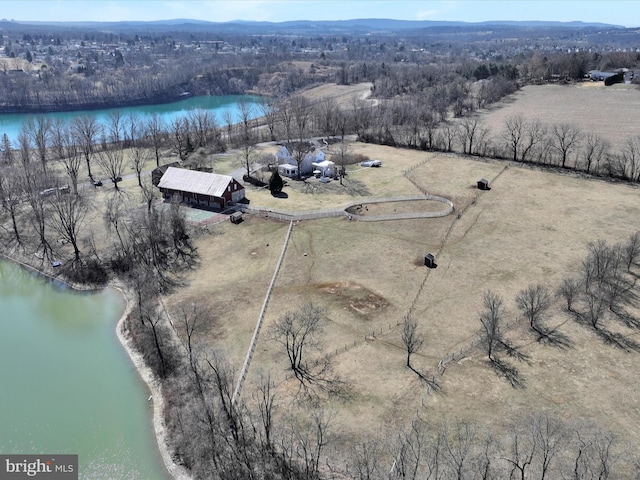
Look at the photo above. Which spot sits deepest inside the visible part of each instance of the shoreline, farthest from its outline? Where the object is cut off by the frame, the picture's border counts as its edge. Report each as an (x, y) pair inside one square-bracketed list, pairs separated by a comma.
[(95, 106), (173, 470)]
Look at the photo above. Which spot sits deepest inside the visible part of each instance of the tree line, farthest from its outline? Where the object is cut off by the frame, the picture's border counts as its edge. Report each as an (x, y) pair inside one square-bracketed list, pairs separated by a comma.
[(261, 436), (70, 70)]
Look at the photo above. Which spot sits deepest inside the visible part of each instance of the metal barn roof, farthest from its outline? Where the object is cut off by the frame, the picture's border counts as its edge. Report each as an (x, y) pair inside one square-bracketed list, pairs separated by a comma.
[(195, 182)]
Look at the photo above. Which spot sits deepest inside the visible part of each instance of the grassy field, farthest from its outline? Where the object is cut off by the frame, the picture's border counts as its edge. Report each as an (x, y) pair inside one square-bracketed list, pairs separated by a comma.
[(611, 112), (531, 227)]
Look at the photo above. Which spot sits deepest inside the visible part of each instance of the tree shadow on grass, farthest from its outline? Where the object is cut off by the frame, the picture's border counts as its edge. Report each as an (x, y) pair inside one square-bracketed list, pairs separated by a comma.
[(509, 372), (432, 385), (627, 318), (554, 338), (618, 340)]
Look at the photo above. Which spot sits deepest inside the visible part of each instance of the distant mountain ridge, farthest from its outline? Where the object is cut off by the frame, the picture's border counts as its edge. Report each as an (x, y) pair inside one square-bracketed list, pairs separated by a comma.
[(359, 25), (412, 24)]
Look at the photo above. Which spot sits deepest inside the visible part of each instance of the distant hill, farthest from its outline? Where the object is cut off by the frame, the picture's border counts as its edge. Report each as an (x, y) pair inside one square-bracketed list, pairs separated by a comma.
[(363, 25)]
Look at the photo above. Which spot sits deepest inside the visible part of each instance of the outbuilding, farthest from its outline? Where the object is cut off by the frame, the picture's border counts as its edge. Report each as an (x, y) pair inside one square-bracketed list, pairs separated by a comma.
[(483, 184), (202, 189), (236, 217), (430, 261)]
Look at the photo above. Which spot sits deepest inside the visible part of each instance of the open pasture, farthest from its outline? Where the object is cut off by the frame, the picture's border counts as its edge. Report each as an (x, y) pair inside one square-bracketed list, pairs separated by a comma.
[(531, 227), (611, 112)]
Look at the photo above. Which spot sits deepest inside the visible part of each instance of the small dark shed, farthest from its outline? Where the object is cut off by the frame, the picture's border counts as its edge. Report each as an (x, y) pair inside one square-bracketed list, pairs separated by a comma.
[(483, 184), (430, 261), (236, 217)]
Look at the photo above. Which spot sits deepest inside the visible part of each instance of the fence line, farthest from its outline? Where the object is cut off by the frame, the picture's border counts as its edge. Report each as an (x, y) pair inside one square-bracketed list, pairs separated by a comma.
[(254, 338), (348, 346), (463, 352), (499, 173), (288, 216)]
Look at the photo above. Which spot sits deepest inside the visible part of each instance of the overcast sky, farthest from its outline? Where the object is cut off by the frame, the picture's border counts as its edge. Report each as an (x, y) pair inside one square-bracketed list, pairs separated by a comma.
[(619, 12)]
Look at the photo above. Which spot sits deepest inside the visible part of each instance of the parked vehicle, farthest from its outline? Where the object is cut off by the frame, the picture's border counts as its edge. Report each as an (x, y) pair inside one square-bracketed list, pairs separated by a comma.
[(371, 163)]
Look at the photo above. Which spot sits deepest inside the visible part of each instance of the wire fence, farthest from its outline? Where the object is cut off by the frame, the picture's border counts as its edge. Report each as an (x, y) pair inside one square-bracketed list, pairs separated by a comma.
[(288, 216), (254, 338), (284, 215), (453, 357), (366, 338)]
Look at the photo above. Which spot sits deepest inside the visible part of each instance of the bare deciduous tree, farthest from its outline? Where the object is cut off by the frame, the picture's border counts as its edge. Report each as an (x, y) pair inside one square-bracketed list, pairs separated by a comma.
[(593, 455), (111, 162), (301, 113), (114, 219), (594, 151), (327, 113), (491, 318), (247, 135), (39, 132), (270, 115), (632, 250), (412, 340), (459, 440), (450, 131), (493, 340), (550, 437), (6, 150), (514, 134), (85, 130), (298, 331), (626, 164), (132, 129), (11, 193), (181, 136), (569, 290), (564, 139), (67, 218), (522, 447), (266, 409), (285, 114), (67, 152), (115, 128), (35, 182), (342, 158), (155, 129), (533, 302), (365, 460), (138, 159), (203, 125), (535, 134)]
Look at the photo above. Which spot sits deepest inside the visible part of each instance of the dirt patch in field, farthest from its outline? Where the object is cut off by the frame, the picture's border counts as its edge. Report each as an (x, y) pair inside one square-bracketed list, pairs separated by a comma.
[(390, 208), (354, 296), (343, 95)]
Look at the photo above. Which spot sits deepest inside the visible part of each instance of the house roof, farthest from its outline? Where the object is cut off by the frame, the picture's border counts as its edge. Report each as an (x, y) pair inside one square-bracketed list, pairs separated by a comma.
[(324, 164), (195, 182), (283, 152)]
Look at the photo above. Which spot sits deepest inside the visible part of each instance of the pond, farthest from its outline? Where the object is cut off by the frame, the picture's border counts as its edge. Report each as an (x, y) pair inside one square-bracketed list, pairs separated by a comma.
[(219, 106), (68, 386)]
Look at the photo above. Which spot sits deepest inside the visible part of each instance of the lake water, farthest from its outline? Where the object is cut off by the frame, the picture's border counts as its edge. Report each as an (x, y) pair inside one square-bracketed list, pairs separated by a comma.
[(10, 123), (67, 383)]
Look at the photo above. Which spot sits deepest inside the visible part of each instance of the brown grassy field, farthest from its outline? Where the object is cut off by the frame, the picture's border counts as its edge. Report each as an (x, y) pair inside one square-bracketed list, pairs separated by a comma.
[(611, 112), (532, 227)]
